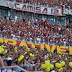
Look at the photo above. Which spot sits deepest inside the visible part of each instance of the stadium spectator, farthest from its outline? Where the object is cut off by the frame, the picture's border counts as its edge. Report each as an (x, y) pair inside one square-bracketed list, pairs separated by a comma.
[(50, 3), (39, 31), (33, 63)]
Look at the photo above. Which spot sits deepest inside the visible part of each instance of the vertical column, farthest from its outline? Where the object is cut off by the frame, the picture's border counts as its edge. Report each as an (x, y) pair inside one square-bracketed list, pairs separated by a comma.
[(32, 15), (65, 21), (9, 13), (54, 19), (43, 17)]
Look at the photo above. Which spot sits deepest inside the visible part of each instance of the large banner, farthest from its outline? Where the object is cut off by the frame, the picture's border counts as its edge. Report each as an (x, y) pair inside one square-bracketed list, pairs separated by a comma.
[(52, 48), (35, 8), (67, 11)]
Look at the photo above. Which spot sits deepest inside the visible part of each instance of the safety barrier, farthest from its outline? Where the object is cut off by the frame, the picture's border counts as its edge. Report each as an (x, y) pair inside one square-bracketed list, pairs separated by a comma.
[(15, 67)]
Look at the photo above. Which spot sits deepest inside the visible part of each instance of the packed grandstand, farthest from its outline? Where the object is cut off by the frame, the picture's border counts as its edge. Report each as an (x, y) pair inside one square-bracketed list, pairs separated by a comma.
[(50, 3), (36, 35)]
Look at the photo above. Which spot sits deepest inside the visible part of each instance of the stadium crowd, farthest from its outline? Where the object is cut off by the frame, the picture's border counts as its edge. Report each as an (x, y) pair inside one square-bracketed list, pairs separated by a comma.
[(37, 31), (33, 59), (50, 3)]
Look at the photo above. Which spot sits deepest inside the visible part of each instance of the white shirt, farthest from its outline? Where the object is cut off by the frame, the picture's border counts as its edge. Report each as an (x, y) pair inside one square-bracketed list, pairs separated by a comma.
[(53, 71), (3, 70), (15, 17), (10, 70)]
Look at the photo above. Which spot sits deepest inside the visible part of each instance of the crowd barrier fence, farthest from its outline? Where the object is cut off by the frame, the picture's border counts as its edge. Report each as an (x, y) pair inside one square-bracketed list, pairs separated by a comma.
[(15, 67)]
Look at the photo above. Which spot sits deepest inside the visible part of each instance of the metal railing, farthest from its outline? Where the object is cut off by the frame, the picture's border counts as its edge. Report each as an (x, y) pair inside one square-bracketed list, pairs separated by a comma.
[(15, 67)]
